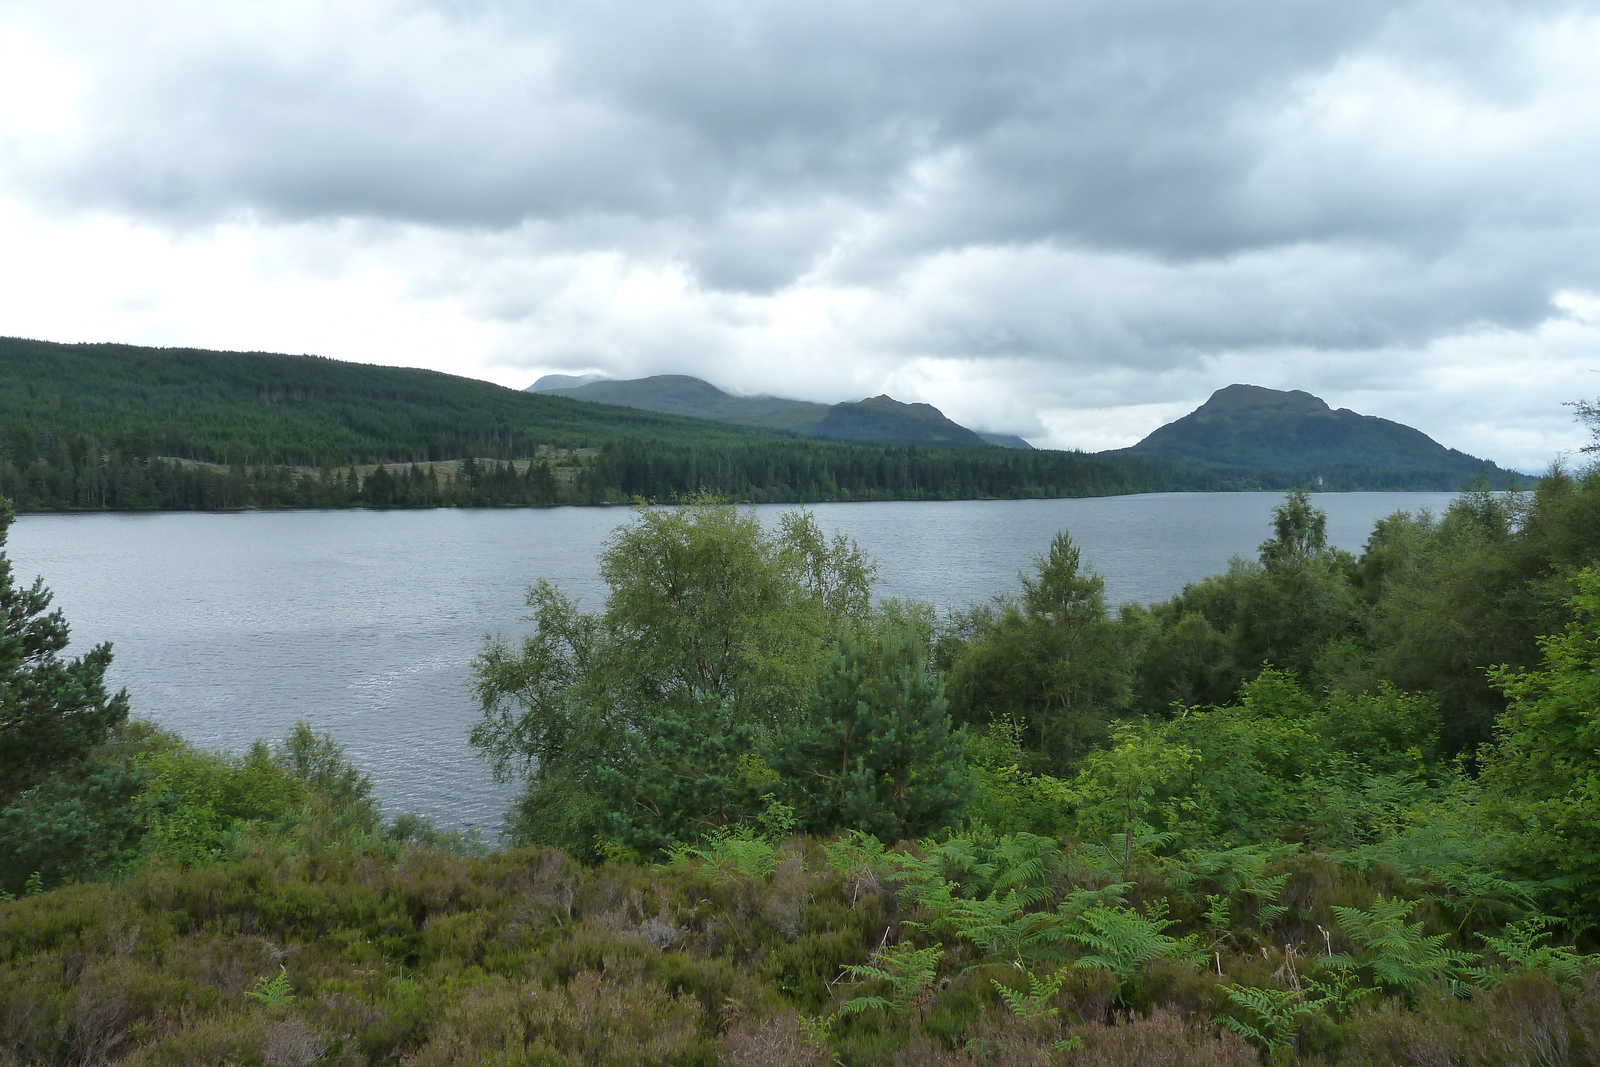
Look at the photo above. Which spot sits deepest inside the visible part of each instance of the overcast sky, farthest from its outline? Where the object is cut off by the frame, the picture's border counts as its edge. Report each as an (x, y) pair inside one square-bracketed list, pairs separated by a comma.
[(1071, 221)]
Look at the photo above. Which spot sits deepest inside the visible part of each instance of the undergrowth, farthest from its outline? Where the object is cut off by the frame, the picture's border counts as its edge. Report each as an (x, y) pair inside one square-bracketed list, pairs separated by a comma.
[(1015, 950)]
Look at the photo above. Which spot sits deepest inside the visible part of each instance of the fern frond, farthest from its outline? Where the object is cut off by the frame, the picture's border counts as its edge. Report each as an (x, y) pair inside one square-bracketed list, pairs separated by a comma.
[(860, 1004), (1397, 952)]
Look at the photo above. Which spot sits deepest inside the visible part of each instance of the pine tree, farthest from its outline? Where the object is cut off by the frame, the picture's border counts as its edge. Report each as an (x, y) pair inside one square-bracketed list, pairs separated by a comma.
[(52, 711), (1053, 663), (876, 751)]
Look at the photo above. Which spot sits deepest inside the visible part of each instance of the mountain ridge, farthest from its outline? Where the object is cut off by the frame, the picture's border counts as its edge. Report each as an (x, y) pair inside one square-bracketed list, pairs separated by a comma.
[(880, 418), (123, 427), (112, 427), (1251, 427)]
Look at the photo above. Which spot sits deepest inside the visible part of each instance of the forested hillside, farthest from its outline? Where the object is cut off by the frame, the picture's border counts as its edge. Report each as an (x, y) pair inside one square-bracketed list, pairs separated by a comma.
[(1320, 809), (878, 418), (118, 427), (98, 427), (1291, 438)]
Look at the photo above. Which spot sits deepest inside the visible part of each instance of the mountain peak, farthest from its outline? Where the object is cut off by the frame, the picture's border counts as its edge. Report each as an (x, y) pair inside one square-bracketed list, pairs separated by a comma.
[(1240, 398), (1296, 433), (563, 381), (877, 418), (885, 402)]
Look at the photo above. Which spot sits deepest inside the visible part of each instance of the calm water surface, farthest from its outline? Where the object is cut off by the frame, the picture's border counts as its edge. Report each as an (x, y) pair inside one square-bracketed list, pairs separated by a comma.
[(229, 627)]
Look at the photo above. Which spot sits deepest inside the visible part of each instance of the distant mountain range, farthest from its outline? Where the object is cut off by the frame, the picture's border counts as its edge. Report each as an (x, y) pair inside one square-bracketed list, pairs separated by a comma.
[(878, 418), (1293, 438), (1243, 437), (104, 426)]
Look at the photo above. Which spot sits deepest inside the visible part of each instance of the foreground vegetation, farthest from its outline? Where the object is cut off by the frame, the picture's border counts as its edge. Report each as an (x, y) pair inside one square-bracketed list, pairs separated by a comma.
[(1319, 809)]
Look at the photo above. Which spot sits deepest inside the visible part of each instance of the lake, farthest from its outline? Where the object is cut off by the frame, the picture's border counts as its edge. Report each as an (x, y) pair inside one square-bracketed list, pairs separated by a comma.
[(232, 626)]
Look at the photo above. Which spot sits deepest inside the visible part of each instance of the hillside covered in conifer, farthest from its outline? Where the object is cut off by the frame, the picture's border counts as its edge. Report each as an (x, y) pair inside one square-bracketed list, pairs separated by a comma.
[(1274, 436), (119, 427), (877, 418)]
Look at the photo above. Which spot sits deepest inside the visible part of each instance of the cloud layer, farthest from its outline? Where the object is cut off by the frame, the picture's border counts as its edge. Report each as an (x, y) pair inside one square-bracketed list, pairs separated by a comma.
[(1068, 220)]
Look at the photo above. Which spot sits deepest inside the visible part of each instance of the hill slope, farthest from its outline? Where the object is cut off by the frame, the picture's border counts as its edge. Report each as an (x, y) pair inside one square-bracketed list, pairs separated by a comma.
[(879, 418), (263, 408), (1281, 435), (119, 427), (680, 394)]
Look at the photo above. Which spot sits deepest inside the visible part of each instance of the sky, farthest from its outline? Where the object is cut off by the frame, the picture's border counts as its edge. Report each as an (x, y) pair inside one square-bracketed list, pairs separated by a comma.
[(1070, 221)]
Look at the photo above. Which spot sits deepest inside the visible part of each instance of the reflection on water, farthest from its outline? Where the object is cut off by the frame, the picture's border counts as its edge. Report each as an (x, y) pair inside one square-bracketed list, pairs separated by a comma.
[(229, 627)]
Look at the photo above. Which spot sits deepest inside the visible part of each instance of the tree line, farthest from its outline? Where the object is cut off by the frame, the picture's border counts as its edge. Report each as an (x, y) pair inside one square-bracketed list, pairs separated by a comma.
[(83, 477), (117, 427)]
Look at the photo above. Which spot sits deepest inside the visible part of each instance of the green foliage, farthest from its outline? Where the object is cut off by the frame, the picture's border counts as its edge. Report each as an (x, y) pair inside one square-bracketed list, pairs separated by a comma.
[(144, 797), (1317, 805), (1338, 992), (1277, 1016), (272, 991), (1279, 763), (639, 724), (854, 851), (908, 971), (875, 751), (1052, 664), (1005, 792), (742, 850), (1543, 774), (1476, 587), (1520, 945), (998, 924), (1234, 873), (1299, 533), (1283, 610), (1396, 952), (195, 802), (95, 427), (78, 824), (1122, 941), (1034, 1002), (318, 762), (1131, 793), (53, 711)]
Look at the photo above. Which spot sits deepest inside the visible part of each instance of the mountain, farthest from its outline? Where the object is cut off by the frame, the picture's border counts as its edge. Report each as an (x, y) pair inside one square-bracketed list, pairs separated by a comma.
[(119, 427), (679, 394), (563, 381), (1005, 440), (94, 427), (882, 418), (879, 418), (1296, 437), (259, 407)]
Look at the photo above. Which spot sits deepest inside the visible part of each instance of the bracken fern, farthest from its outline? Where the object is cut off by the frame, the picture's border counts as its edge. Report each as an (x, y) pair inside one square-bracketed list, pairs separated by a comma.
[(1397, 952), (1122, 941), (909, 973)]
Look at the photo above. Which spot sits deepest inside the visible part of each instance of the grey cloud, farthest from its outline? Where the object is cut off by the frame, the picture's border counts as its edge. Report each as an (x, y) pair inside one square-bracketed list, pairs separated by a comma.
[(1109, 123), (1123, 188)]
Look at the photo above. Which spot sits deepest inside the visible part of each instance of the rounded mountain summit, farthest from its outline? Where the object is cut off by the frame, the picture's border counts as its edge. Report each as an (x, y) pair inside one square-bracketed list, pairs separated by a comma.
[(1248, 427)]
